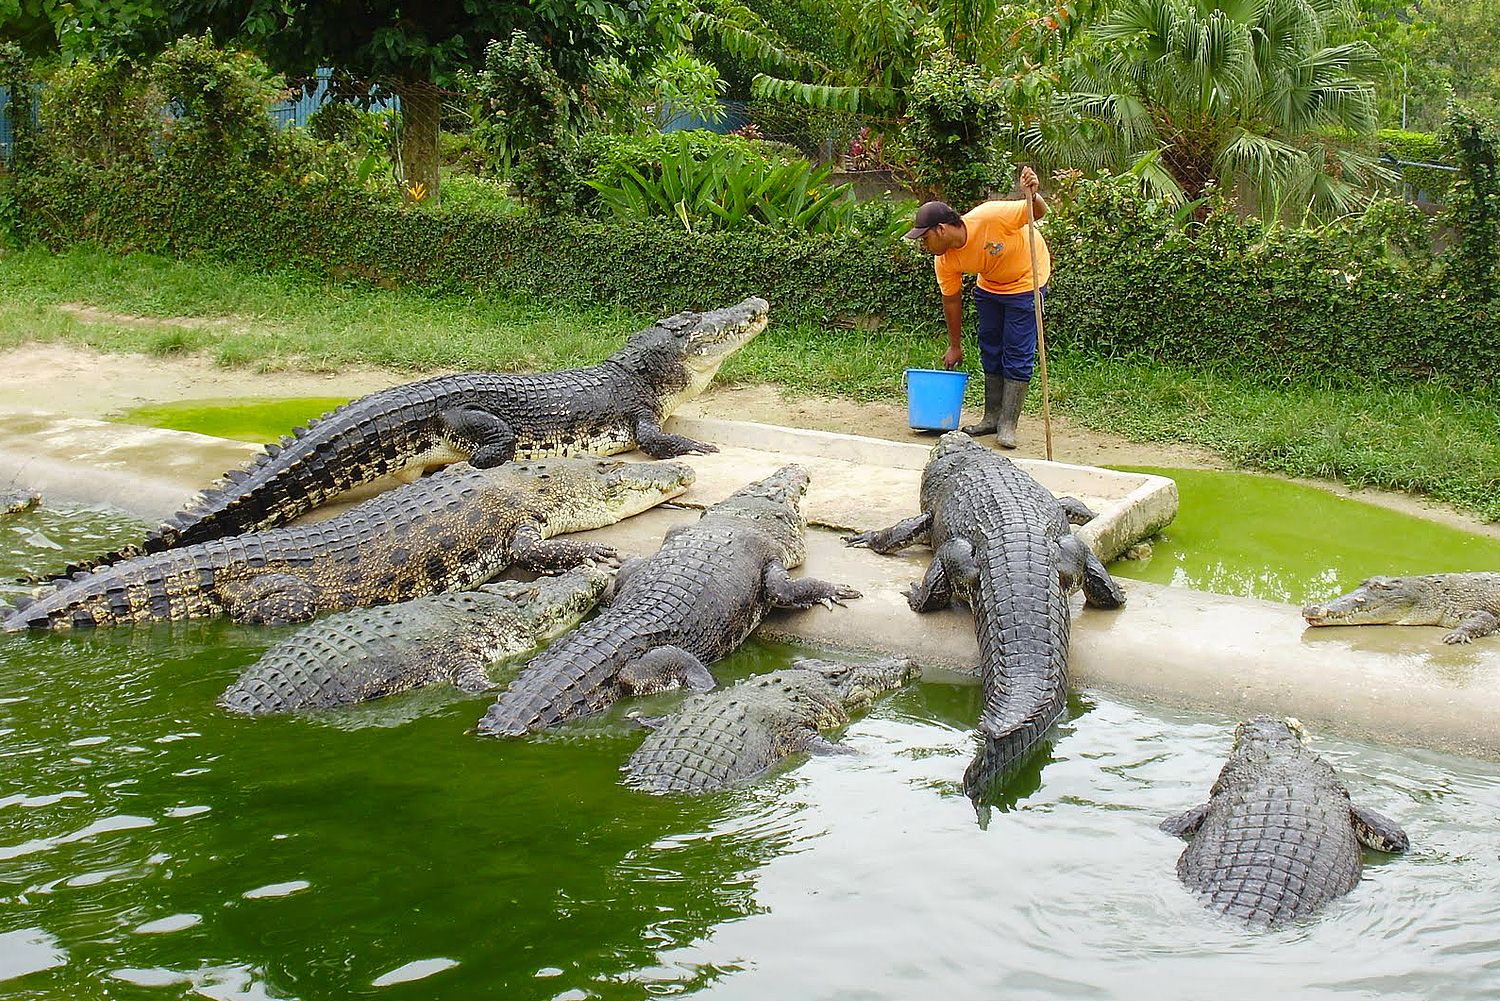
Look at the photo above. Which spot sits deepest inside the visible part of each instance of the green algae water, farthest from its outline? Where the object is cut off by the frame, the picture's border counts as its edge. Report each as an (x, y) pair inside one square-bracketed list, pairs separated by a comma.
[(1262, 537), (243, 420), (152, 846)]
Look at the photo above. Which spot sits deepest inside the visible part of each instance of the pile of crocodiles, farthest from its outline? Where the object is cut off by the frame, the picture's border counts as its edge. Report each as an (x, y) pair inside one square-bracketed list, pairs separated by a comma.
[(406, 582)]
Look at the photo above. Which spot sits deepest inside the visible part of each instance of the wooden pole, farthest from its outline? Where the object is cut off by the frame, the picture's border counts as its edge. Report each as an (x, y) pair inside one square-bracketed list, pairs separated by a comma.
[(1041, 336)]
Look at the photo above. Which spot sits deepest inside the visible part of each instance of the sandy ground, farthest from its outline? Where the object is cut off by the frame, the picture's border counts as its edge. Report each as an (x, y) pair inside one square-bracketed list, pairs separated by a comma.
[(87, 383)]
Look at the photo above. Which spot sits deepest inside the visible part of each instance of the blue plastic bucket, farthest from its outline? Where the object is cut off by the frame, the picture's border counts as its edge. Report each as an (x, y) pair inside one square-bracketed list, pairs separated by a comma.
[(934, 398)]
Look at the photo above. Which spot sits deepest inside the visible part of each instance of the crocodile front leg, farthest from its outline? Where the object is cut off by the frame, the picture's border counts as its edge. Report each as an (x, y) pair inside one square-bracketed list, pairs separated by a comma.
[(541, 555), (1078, 566), (663, 668), (1471, 626), (804, 593), (900, 535), (1186, 823), (495, 440), (659, 445), (270, 599)]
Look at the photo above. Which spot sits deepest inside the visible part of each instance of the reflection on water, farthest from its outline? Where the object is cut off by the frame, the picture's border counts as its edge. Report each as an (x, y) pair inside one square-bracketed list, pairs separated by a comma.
[(151, 845), (1258, 536)]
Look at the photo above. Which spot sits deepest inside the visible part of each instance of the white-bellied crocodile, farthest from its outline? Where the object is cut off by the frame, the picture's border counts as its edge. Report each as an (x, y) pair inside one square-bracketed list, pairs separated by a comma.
[(1002, 543), (1278, 837), (1467, 604), (451, 531), (486, 418), (722, 739), (689, 605), (18, 501), (369, 653)]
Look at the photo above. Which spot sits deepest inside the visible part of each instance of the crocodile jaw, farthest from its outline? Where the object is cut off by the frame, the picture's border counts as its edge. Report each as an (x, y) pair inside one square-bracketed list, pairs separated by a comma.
[(718, 334), (604, 492), (1397, 601)]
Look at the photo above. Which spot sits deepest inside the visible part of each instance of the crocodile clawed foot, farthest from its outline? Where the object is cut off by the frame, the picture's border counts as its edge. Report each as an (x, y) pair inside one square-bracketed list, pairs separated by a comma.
[(859, 539), (1458, 636)]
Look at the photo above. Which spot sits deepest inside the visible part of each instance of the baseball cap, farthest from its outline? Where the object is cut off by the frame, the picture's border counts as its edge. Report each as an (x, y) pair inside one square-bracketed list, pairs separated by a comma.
[(931, 214)]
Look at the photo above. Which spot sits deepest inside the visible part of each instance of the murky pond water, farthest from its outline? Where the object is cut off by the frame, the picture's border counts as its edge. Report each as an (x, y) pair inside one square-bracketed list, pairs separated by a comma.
[(243, 420), (1263, 537), (153, 847)]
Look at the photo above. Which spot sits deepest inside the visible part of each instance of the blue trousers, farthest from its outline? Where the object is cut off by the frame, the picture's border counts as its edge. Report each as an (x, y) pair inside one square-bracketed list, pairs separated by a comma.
[(1007, 333)]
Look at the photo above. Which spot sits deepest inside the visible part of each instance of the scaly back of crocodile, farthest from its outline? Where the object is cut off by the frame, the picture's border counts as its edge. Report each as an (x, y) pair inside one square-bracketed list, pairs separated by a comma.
[(721, 739), (702, 592), (384, 433), (1277, 841), (1021, 616)]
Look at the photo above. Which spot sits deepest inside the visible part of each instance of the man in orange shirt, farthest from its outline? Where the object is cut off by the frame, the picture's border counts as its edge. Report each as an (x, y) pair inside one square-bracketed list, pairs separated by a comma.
[(991, 241)]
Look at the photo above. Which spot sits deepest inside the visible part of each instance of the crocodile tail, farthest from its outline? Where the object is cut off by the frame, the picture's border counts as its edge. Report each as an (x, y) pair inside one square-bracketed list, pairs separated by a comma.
[(1001, 756)]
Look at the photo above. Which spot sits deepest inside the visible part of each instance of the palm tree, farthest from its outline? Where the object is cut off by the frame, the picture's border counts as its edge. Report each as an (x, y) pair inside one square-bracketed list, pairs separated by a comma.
[(1249, 94)]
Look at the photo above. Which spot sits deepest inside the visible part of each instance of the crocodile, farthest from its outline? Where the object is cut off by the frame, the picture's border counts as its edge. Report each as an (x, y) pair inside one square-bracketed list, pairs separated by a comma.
[(1467, 604), (450, 531), (1002, 543), (369, 653), (1278, 837), (728, 738), (690, 604), (18, 501), (487, 418)]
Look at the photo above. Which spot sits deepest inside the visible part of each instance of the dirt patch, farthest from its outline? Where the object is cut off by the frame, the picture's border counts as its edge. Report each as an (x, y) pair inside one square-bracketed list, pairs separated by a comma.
[(86, 383), (91, 314)]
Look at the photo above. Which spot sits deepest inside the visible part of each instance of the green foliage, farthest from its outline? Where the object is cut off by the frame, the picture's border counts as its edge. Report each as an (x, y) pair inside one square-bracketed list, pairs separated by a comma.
[(1474, 205), (528, 105), (100, 112), (16, 78), (1418, 147), (727, 190), (1247, 95), (955, 117), (220, 97), (607, 155)]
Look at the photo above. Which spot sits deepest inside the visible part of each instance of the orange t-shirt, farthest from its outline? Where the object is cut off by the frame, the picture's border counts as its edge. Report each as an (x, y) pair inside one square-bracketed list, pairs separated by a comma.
[(997, 251)]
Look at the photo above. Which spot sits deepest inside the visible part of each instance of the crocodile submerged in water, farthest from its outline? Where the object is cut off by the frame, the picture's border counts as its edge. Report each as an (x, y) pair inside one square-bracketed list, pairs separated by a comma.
[(450, 531), (18, 501), (723, 739), (369, 653), (689, 605), (485, 417), (1468, 604), (1278, 837), (1002, 543)]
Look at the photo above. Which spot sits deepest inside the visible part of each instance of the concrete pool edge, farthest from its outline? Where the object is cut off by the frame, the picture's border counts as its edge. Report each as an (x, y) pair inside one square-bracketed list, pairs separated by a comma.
[(1178, 647)]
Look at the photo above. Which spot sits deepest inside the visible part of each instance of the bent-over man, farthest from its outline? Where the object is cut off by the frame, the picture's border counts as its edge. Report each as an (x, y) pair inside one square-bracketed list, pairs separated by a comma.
[(991, 241)]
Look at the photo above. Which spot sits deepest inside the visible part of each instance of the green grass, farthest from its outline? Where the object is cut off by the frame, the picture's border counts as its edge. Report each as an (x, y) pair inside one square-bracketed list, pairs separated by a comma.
[(1427, 438)]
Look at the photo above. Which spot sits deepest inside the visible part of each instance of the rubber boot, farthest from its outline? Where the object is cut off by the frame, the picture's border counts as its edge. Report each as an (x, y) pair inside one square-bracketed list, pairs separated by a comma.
[(1012, 396), (992, 392)]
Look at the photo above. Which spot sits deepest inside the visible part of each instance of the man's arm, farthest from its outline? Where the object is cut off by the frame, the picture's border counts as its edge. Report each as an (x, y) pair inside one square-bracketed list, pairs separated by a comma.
[(953, 312), (1030, 186)]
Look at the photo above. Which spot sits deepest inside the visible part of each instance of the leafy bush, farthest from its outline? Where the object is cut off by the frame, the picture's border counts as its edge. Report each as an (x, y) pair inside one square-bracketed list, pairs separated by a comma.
[(728, 190), (1474, 206), (605, 156), (954, 116), (219, 97)]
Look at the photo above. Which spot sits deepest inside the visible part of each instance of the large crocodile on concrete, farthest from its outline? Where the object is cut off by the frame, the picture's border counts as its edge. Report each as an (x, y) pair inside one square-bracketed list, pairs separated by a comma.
[(369, 653), (723, 739), (450, 531), (1002, 543), (1468, 604), (485, 417), (1278, 837), (18, 501), (689, 605)]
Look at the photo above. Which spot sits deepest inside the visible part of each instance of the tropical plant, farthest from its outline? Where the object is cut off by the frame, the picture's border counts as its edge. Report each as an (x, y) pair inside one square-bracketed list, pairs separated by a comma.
[(955, 118), (1250, 94), (729, 190)]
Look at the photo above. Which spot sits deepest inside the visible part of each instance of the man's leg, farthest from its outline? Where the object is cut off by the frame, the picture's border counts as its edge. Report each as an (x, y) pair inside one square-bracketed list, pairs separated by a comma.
[(1017, 357), (991, 335)]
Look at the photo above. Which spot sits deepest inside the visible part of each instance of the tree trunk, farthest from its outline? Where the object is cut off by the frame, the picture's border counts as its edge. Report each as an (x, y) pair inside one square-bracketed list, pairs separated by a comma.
[(419, 139)]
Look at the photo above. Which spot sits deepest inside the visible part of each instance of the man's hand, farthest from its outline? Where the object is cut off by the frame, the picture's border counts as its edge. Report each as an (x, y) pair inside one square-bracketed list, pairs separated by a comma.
[(953, 358), (1030, 183)]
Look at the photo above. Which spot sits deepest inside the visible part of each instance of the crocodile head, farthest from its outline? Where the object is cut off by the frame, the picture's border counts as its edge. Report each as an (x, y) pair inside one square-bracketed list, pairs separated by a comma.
[(553, 604), (1267, 733), (859, 685), (774, 506), (680, 355), (591, 493), (1401, 601)]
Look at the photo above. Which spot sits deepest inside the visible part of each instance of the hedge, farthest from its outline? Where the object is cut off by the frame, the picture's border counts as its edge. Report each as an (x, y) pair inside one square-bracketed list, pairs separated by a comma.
[(1361, 301)]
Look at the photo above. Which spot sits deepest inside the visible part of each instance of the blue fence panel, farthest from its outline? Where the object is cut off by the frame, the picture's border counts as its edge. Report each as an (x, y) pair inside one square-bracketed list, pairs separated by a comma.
[(289, 113)]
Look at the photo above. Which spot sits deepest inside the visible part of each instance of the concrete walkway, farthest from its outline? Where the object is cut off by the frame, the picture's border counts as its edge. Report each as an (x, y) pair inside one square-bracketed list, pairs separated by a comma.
[(1174, 646)]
